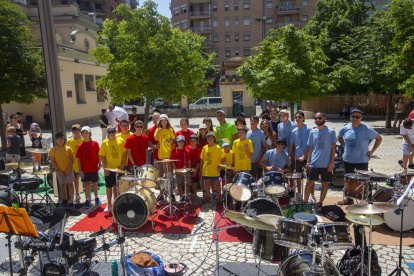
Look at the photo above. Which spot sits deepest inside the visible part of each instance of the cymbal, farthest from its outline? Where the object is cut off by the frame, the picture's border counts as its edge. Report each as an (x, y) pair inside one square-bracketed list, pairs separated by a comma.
[(248, 221), (16, 165), (41, 172), (227, 167), (187, 170), (364, 219), (34, 150), (116, 170), (371, 208), (128, 178), (166, 160), (293, 175), (372, 174)]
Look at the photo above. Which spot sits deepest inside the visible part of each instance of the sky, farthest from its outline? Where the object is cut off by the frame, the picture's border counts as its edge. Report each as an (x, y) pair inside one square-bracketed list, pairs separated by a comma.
[(163, 7)]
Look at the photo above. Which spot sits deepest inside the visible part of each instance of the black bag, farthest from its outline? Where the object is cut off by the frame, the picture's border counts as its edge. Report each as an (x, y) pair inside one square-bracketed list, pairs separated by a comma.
[(333, 213), (350, 264)]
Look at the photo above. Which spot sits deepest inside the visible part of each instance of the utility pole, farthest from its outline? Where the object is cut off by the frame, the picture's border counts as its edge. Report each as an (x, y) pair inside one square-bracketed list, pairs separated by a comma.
[(57, 114)]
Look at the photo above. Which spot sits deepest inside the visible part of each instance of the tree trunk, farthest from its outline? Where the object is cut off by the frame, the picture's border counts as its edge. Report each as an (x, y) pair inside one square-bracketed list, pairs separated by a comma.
[(292, 111), (2, 131), (146, 114), (389, 111)]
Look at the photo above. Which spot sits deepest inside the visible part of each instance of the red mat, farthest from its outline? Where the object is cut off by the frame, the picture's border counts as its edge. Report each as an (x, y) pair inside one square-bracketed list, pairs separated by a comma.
[(236, 234), (97, 218)]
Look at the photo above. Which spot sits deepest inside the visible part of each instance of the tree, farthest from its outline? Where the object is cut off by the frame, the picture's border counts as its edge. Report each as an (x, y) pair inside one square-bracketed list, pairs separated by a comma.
[(148, 58), (289, 66), (22, 75)]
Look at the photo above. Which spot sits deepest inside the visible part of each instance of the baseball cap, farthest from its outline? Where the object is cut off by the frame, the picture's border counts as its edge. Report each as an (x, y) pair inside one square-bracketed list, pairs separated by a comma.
[(356, 110), (86, 128), (76, 126), (180, 138), (163, 117), (226, 144), (211, 134), (284, 111), (110, 129), (194, 136), (202, 126), (221, 111)]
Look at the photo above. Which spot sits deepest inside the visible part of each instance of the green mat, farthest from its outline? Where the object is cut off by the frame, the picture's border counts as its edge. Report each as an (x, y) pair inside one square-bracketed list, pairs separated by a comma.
[(101, 187)]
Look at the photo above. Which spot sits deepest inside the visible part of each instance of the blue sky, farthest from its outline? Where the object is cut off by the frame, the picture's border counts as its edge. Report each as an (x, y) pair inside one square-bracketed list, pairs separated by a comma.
[(163, 7)]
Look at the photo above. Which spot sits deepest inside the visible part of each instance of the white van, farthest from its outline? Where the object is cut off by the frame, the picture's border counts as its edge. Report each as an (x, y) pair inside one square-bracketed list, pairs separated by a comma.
[(206, 103)]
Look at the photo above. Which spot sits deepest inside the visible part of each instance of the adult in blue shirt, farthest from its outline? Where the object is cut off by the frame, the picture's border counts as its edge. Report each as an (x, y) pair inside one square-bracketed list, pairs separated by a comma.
[(355, 137), (285, 127), (274, 159), (321, 154), (298, 147), (257, 137)]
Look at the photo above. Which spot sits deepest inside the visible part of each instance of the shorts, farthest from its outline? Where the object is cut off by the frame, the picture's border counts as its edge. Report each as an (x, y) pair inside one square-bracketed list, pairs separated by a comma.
[(16, 156), (351, 167), (214, 178), (90, 177), (110, 180), (406, 150), (399, 116), (65, 178), (299, 166), (313, 174)]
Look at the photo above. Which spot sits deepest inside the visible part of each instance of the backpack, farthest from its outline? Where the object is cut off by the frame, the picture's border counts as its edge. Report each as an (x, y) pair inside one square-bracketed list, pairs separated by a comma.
[(350, 264)]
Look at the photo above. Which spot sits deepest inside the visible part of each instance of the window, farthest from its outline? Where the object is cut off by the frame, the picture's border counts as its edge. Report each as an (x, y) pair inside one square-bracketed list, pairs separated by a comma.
[(215, 38), (89, 83), (269, 4), (236, 5), (184, 24), (201, 101), (214, 7), (215, 100), (305, 17), (227, 52), (69, 94), (216, 51), (246, 21), (269, 20), (236, 21), (227, 38), (246, 37), (226, 6), (236, 51), (305, 3), (176, 12), (246, 52), (184, 9), (80, 89), (214, 23), (227, 22), (246, 4), (286, 19), (100, 93), (236, 37)]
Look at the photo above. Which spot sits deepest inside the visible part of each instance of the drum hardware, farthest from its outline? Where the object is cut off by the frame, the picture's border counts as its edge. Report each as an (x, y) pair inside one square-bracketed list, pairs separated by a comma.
[(226, 203), (187, 198), (166, 160), (121, 240), (371, 208), (49, 203), (295, 176)]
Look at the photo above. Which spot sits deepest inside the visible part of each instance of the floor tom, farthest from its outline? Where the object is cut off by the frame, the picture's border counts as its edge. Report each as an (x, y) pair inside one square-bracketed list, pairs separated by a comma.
[(148, 176), (242, 187)]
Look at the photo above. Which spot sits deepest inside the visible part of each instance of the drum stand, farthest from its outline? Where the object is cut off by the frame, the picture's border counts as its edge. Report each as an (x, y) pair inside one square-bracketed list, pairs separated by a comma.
[(399, 269), (225, 183), (171, 209), (187, 199)]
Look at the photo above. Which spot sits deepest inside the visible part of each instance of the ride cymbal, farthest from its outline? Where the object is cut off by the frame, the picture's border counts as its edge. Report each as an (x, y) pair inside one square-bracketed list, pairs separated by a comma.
[(187, 170), (166, 160), (371, 208), (248, 221), (364, 219), (16, 165), (34, 150), (116, 170)]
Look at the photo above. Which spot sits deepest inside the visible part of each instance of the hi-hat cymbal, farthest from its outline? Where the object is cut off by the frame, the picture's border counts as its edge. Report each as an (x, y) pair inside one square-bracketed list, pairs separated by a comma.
[(17, 165), (33, 150), (128, 178), (293, 175), (166, 160), (185, 170), (371, 208), (248, 221), (372, 174), (227, 167), (364, 219), (116, 170), (41, 172)]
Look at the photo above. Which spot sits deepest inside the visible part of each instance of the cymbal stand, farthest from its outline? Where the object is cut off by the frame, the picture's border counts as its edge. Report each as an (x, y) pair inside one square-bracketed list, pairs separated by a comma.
[(49, 208), (362, 229), (121, 240), (225, 183), (187, 199), (170, 207)]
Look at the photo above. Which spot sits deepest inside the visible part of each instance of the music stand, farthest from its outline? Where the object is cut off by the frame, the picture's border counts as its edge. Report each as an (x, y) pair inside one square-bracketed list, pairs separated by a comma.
[(15, 221)]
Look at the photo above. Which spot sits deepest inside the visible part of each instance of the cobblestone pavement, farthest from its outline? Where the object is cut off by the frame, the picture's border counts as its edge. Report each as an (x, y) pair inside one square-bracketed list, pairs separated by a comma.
[(198, 251)]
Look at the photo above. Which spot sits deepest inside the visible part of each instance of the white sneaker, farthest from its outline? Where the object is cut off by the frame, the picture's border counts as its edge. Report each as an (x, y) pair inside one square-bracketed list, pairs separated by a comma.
[(312, 198), (108, 208), (78, 199)]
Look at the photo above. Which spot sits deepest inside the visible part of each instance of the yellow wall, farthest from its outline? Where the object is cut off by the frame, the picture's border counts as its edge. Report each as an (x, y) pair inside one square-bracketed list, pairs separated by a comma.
[(227, 90)]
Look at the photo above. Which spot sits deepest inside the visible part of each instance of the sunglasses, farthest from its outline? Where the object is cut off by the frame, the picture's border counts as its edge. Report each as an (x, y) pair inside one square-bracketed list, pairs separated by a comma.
[(75, 129), (139, 126), (356, 117)]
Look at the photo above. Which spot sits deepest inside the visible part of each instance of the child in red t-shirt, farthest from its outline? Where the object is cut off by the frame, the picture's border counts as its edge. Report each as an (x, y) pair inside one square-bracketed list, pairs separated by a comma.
[(184, 131), (137, 146), (194, 152), (179, 153)]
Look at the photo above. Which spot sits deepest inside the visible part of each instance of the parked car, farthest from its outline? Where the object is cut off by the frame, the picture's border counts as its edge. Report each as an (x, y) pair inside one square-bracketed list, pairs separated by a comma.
[(206, 103), (140, 106), (158, 102)]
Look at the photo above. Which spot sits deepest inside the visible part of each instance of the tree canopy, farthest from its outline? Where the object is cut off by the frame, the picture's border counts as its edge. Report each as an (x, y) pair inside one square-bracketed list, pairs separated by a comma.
[(289, 65), (22, 74), (148, 58)]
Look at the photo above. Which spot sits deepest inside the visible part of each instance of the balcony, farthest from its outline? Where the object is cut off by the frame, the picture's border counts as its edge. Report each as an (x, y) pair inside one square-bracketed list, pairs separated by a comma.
[(201, 29), (295, 23), (199, 1), (199, 14), (287, 9)]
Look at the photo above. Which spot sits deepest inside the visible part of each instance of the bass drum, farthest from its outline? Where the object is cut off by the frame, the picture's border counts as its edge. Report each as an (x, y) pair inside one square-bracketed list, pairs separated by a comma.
[(261, 206), (131, 210), (53, 269), (300, 264), (393, 221)]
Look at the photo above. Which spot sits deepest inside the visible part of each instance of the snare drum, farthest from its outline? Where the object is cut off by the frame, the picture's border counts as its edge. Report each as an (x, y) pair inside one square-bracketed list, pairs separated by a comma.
[(355, 184), (125, 184), (131, 210), (229, 202), (293, 233), (336, 235), (148, 176), (273, 183), (242, 189)]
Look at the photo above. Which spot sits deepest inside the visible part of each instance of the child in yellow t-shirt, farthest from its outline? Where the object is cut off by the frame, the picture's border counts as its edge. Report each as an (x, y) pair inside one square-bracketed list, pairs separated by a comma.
[(243, 150), (211, 157), (228, 160)]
